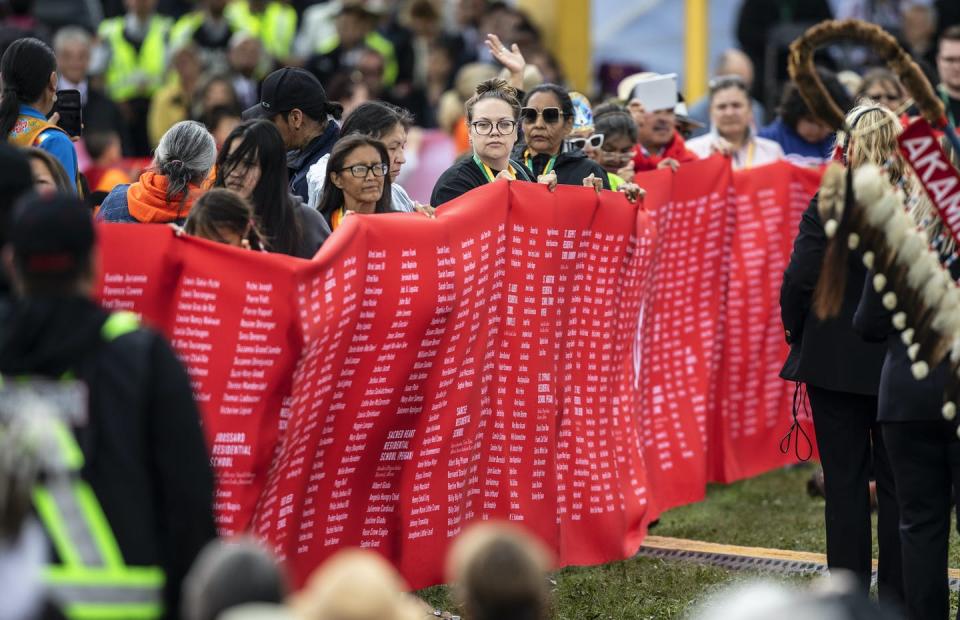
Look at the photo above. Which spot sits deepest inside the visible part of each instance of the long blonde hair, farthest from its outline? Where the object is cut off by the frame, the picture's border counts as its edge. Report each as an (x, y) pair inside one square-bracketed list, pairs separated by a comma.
[(872, 139)]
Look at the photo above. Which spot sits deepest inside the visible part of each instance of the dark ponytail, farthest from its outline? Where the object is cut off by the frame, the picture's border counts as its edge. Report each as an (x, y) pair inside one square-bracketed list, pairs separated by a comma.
[(25, 70)]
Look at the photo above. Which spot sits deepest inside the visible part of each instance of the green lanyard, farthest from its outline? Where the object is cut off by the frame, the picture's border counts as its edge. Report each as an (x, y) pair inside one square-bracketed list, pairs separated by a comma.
[(487, 172), (529, 161)]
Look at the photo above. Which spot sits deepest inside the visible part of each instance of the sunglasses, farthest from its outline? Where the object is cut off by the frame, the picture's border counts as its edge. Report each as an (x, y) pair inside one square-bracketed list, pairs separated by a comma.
[(578, 144), (551, 116)]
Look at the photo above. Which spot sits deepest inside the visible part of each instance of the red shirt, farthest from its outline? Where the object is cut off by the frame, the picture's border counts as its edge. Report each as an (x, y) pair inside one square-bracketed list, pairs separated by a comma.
[(677, 149)]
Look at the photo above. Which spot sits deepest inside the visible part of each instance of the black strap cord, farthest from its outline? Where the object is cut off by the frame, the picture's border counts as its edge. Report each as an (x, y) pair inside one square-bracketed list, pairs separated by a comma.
[(799, 404)]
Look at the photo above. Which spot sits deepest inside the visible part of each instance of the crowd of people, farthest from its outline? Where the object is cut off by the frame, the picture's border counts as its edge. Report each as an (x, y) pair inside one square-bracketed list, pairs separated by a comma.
[(267, 124)]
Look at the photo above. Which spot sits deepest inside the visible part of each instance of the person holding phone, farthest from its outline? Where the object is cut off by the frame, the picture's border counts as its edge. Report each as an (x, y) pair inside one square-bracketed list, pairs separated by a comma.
[(29, 70)]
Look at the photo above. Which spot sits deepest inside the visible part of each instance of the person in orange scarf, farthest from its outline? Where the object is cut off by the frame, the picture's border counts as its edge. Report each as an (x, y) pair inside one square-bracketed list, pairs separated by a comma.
[(165, 192)]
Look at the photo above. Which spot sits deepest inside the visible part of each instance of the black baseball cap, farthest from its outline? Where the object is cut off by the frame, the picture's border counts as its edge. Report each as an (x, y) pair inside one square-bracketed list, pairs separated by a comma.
[(289, 88), (51, 235)]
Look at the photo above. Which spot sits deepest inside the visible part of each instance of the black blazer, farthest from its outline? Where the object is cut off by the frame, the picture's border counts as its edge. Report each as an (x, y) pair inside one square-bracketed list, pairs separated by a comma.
[(902, 398), (826, 354)]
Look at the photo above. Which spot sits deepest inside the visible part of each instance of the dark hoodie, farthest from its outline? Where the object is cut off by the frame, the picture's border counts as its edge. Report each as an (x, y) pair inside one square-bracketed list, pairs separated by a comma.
[(299, 162), (144, 453)]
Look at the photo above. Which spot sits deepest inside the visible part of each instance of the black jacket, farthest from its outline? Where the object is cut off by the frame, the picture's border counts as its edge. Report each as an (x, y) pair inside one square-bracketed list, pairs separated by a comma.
[(902, 398), (465, 175), (315, 230), (571, 168), (299, 162), (826, 354), (145, 455)]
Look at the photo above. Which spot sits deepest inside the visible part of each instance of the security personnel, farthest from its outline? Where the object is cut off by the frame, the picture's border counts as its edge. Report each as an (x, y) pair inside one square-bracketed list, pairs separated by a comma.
[(126, 531), (273, 22), (210, 29), (356, 28), (137, 44)]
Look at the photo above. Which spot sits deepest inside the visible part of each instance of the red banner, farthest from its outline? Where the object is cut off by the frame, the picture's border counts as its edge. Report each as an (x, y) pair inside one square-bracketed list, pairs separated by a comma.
[(940, 179), (563, 360)]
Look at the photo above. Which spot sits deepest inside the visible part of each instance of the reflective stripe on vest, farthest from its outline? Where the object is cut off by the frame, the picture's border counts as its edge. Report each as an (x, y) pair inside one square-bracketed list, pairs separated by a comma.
[(275, 27), (118, 324), (131, 74), (92, 581), (378, 43)]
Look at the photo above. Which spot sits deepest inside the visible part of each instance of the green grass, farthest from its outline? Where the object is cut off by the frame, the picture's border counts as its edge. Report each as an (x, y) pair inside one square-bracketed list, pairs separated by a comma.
[(771, 511)]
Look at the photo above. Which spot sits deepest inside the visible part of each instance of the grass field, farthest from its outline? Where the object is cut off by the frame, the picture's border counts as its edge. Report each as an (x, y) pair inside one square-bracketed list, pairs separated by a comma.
[(771, 511)]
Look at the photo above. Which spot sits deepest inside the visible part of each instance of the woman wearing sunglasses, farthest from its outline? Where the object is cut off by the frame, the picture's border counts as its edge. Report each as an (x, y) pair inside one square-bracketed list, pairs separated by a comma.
[(492, 122), (356, 180), (547, 119)]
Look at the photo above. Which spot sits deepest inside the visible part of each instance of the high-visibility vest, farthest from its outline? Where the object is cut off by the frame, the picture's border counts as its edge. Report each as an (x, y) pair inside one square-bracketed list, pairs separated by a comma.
[(92, 582), (615, 181), (28, 132), (379, 44), (275, 26), (131, 74)]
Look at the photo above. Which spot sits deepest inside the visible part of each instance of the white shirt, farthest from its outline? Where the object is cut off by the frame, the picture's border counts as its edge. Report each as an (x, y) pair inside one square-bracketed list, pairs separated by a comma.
[(66, 84), (317, 174), (755, 151)]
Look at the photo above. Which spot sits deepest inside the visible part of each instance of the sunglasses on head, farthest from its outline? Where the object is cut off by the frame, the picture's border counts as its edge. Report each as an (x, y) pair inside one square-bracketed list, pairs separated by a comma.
[(578, 144), (551, 116)]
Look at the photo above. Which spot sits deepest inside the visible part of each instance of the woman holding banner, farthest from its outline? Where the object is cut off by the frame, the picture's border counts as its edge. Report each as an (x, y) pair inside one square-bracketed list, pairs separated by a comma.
[(547, 119), (732, 128), (842, 377), (492, 115), (357, 180)]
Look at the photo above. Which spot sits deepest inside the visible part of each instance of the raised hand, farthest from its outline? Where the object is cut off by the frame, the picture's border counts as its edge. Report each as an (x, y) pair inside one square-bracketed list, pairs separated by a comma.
[(511, 58)]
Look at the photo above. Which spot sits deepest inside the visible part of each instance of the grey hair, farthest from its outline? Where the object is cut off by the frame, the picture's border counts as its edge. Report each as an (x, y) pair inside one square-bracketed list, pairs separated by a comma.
[(185, 155), (71, 34)]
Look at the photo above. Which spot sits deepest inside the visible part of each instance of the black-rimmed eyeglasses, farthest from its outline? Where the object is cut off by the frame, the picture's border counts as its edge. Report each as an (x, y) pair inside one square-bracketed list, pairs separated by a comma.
[(360, 171), (483, 128)]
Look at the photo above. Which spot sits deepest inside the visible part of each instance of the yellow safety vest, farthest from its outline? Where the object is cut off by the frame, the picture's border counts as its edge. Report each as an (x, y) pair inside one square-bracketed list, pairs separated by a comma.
[(275, 26), (615, 181), (379, 44), (92, 582), (131, 74)]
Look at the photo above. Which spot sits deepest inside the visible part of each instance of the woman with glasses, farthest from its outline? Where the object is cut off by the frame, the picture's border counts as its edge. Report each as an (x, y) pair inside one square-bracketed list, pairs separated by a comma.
[(253, 163), (547, 119), (492, 115), (883, 87), (357, 180), (381, 121), (732, 128)]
